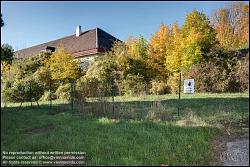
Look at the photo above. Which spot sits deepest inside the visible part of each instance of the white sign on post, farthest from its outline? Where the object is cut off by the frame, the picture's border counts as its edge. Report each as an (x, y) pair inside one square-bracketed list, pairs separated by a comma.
[(189, 86)]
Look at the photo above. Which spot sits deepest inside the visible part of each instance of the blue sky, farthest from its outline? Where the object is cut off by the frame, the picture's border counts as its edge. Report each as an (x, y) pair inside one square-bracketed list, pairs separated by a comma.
[(32, 23)]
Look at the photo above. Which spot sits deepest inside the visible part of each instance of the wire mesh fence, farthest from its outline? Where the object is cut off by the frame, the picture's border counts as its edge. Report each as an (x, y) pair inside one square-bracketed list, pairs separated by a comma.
[(104, 101)]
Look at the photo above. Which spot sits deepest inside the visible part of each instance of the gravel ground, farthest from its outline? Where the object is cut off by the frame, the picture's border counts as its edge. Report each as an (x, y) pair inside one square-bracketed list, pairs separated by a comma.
[(237, 153)]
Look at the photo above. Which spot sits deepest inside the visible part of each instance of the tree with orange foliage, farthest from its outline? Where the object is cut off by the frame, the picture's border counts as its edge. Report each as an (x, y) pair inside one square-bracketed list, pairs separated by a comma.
[(157, 50), (231, 24)]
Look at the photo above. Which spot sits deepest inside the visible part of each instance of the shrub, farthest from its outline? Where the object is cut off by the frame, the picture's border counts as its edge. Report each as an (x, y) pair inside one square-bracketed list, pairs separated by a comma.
[(217, 77), (64, 91), (23, 90), (102, 69), (92, 87), (7, 95), (46, 96), (238, 78), (159, 87), (208, 77), (242, 74), (173, 83), (99, 77), (134, 85)]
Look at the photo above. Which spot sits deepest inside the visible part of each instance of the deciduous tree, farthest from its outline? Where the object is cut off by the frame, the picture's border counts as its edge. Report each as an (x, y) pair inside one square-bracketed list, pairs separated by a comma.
[(199, 36), (2, 23), (62, 66), (231, 24), (157, 50), (7, 53)]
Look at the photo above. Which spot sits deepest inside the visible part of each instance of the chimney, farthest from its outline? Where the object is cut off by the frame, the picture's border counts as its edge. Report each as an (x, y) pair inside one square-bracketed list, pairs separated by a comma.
[(78, 31)]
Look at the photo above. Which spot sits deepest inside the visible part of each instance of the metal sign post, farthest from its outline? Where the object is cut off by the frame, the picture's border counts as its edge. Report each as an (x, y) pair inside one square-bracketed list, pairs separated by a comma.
[(179, 101), (113, 95), (188, 89)]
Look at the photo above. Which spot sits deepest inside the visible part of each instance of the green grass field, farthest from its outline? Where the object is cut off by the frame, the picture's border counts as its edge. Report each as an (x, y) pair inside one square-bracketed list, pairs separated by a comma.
[(132, 137)]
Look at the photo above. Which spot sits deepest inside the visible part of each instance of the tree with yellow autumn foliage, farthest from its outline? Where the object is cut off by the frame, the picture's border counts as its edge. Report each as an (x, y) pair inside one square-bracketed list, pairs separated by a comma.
[(62, 66), (231, 24)]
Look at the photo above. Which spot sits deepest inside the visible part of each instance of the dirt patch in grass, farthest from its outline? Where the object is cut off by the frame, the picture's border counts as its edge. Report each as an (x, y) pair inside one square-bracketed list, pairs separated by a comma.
[(237, 132), (39, 130)]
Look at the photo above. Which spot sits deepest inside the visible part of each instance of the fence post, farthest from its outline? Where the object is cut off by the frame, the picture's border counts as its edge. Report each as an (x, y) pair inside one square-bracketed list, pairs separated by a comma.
[(30, 95), (71, 96), (179, 100), (50, 99), (113, 96)]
